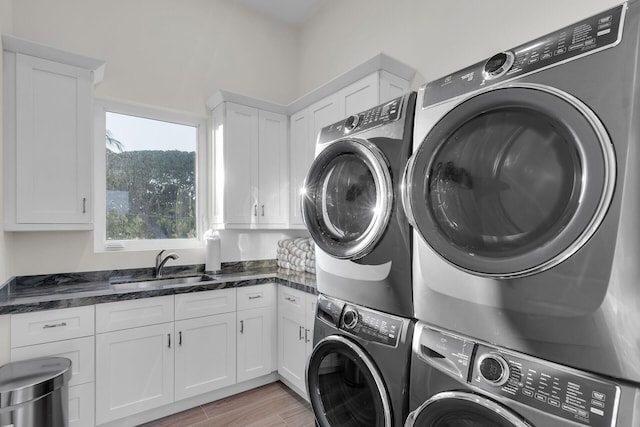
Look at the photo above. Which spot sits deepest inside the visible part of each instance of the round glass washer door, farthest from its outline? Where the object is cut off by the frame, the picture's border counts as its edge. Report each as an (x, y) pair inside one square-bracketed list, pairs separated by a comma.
[(511, 182), (463, 409), (345, 387), (347, 198)]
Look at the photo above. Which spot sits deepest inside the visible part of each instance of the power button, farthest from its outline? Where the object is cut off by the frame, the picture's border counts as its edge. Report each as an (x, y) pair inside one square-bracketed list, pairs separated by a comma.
[(351, 123), (498, 65)]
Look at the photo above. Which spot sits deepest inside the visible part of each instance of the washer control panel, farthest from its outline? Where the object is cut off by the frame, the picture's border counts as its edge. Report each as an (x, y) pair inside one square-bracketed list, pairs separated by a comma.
[(371, 325), (561, 391), (376, 116), (585, 37)]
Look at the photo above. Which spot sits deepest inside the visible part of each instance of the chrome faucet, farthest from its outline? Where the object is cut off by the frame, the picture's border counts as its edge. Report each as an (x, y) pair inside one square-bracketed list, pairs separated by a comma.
[(160, 262)]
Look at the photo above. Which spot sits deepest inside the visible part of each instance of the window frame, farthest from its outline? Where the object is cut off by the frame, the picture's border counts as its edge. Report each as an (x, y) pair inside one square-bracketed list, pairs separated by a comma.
[(101, 244)]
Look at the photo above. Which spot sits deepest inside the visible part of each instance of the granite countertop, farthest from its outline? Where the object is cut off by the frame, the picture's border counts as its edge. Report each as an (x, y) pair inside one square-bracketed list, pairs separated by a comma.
[(47, 292)]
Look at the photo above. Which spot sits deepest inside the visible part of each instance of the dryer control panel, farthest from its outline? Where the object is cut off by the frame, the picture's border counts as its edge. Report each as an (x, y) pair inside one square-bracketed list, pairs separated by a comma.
[(582, 38), (372, 325), (564, 392), (376, 116)]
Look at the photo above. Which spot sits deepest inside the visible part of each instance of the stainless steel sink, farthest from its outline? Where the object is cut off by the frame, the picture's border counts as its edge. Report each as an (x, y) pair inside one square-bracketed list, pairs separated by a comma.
[(161, 283)]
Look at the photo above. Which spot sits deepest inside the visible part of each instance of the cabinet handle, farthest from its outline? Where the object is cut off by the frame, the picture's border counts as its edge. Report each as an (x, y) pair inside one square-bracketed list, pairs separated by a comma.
[(300, 332), (290, 299), (255, 297), (169, 338), (306, 335), (180, 338), (262, 210), (84, 205), (242, 326), (255, 210), (55, 325)]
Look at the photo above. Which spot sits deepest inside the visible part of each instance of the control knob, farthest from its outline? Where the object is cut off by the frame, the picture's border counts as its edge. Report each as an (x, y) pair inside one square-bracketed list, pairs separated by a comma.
[(493, 369), (498, 65), (351, 123), (350, 318)]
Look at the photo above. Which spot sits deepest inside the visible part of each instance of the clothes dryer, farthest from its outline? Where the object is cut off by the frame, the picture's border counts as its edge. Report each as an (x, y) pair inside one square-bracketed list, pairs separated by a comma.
[(523, 193), (459, 381), (358, 372), (351, 207)]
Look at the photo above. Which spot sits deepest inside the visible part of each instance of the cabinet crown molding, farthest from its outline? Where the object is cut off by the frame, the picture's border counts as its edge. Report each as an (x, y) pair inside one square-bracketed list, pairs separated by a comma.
[(19, 45), (379, 62)]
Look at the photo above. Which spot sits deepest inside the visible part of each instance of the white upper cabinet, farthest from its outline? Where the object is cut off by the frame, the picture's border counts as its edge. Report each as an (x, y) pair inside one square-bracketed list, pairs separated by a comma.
[(48, 96), (250, 167), (258, 171)]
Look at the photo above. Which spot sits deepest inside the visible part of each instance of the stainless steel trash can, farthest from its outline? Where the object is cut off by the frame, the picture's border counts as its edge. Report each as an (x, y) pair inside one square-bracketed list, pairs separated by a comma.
[(35, 393)]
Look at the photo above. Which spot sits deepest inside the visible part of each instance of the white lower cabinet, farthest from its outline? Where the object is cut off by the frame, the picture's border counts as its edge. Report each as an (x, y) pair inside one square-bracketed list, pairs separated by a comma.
[(133, 356), (257, 331), (296, 313), (134, 370), (205, 354), (203, 341), (66, 333)]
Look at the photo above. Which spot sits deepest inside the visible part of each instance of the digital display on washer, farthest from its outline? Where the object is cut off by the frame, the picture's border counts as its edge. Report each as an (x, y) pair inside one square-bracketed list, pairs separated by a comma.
[(552, 388), (583, 38)]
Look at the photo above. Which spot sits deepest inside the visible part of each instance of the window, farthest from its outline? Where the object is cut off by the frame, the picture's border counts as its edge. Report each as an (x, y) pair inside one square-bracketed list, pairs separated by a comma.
[(148, 181)]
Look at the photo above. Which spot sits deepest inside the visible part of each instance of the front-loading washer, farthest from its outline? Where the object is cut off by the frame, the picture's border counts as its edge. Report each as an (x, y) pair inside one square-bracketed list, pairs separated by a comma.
[(358, 372), (351, 207), (523, 193), (459, 381)]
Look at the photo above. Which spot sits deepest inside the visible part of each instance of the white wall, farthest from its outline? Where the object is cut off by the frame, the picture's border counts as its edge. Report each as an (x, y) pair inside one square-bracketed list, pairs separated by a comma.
[(169, 53), (434, 36), (166, 53)]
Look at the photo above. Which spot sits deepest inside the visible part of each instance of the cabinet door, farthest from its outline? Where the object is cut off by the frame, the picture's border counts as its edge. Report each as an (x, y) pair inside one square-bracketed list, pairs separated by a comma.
[(79, 350), (241, 164), (81, 405), (273, 170), (361, 95), (53, 151), (291, 348), (302, 150), (134, 371), (256, 343), (205, 354), (323, 113), (392, 86), (311, 301)]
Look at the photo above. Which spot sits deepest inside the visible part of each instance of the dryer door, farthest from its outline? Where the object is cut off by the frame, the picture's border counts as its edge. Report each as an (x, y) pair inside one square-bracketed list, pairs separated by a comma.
[(511, 181), (345, 387), (462, 409), (347, 199)]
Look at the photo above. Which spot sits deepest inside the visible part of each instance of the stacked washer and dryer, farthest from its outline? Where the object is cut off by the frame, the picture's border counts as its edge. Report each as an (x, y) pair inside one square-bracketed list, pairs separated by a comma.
[(358, 372), (523, 194)]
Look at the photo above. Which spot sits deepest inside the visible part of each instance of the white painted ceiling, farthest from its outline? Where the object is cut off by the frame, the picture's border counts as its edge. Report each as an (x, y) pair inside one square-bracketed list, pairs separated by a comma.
[(291, 11)]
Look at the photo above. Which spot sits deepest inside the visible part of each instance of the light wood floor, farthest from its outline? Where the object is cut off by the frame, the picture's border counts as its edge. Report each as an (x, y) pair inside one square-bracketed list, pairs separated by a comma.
[(272, 405)]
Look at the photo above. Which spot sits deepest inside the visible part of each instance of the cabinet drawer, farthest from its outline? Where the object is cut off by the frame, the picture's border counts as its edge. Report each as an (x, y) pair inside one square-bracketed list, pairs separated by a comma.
[(114, 316), (257, 296), (205, 303), (51, 325), (291, 300), (80, 351), (82, 405)]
